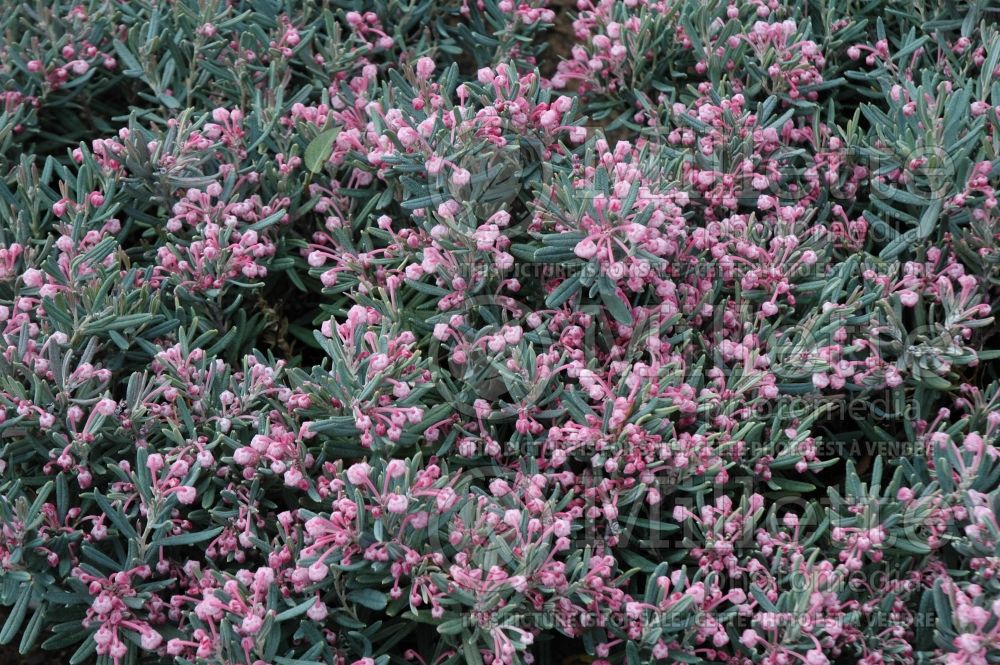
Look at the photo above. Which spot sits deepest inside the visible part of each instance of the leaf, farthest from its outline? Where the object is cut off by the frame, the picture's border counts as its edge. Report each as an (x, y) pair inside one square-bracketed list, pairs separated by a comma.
[(119, 520), (169, 101), (636, 560), (566, 290), (132, 66), (189, 538), (320, 149), (40, 499), (790, 485), (632, 656), (452, 627), (32, 631), (942, 605), (336, 426), (618, 309), (900, 196), (899, 245), (908, 545), (296, 611), (84, 652), (762, 598), (16, 617), (613, 302), (929, 219), (370, 598), (554, 254), (470, 647)]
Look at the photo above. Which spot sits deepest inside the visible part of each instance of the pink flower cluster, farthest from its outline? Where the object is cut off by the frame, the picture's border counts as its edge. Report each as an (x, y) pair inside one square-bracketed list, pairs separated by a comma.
[(370, 335)]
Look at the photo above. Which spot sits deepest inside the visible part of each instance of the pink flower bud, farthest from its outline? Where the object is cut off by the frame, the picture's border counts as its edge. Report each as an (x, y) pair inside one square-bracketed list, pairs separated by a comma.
[(106, 407), (186, 494), (33, 278), (397, 504), (816, 657), (102, 604), (969, 643), (150, 640), (357, 474), (317, 611), (425, 67), (318, 571), (395, 468), (586, 249)]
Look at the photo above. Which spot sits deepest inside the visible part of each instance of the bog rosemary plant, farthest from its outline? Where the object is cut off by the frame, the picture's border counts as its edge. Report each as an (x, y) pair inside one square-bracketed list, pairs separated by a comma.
[(378, 332)]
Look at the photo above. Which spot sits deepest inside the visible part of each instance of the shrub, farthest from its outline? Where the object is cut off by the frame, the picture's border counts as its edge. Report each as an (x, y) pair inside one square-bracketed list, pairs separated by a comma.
[(339, 332)]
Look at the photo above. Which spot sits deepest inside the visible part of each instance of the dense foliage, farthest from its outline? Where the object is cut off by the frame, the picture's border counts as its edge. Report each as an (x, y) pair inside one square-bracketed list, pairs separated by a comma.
[(370, 332)]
